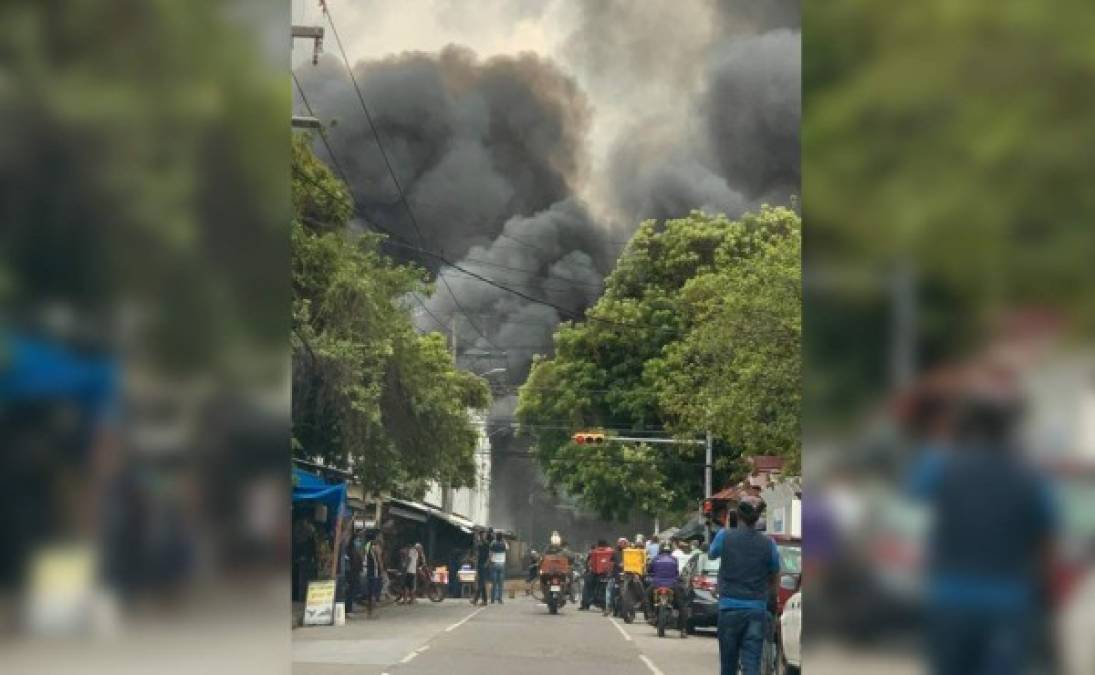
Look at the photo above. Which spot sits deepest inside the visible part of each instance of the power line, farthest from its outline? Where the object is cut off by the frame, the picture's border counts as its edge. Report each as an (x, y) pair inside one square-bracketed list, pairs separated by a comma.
[(488, 263), (388, 164), (322, 134), (353, 203)]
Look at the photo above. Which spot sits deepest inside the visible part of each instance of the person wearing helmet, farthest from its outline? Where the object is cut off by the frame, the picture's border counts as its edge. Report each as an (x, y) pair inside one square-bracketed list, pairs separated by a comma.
[(614, 578), (748, 573), (664, 573), (533, 570)]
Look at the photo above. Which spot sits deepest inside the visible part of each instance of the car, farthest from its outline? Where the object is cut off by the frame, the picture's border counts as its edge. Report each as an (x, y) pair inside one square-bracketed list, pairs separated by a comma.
[(703, 574), (790, 636)]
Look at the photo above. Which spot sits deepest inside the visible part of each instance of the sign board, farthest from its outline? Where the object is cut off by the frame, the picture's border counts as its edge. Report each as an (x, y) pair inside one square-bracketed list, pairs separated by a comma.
[(319, 606), (796, 518), (778, 521)]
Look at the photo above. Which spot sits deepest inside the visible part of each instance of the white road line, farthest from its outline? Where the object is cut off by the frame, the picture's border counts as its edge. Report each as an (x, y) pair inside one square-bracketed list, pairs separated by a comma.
[(650, 665), (422, 648), (461, 622), (620, 628), (408, 657)]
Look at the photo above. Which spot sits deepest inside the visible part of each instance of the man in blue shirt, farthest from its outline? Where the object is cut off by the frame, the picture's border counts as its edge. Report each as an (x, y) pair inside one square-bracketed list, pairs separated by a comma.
[(748, 573), (990, 542)]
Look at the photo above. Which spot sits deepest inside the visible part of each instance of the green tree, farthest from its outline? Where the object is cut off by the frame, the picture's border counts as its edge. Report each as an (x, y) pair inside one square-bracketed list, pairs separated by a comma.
[(684, 293), (944, 135), (135, 168), (369, 392)]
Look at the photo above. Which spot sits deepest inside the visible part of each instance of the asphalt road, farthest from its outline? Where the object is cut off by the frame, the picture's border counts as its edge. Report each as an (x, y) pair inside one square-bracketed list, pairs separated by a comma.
[(520, 636)]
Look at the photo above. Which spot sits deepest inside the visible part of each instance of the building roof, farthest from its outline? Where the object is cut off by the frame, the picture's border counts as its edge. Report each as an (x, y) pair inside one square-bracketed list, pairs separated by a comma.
[(766, 463)]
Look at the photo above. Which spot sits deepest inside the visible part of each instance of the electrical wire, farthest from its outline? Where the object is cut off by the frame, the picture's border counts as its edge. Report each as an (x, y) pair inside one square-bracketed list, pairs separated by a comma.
[(388, 164)]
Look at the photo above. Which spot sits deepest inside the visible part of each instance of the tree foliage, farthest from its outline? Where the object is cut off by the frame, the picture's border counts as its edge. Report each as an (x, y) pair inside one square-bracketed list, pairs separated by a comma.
[(369, 392), (944, 135), (136, 167), (699, 328)]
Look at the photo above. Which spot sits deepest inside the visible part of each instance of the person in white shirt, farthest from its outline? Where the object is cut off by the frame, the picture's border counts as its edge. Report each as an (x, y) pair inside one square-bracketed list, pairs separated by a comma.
[(680, 554), (410, 572), (498, 550)]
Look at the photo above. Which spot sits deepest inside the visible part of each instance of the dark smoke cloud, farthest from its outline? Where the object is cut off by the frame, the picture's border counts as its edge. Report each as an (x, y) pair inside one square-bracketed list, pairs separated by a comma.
[(472, 143), (708, 102), (757, 16), (752, 107), (556, 255), (659, 107)]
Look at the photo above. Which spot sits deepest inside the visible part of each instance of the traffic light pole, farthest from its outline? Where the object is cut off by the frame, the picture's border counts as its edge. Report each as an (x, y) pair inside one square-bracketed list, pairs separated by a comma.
[(709, 460)]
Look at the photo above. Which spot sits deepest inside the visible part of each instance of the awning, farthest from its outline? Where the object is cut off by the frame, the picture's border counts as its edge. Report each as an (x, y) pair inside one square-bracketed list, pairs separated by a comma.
[(420, 512), (308, 487), (692, 529), (37, 370)]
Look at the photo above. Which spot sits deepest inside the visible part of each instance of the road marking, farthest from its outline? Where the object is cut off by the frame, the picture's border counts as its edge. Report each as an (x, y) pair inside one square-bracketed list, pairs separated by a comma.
[(461, 622), (620, 628), (650, 665), (422, 648), (408, 657)]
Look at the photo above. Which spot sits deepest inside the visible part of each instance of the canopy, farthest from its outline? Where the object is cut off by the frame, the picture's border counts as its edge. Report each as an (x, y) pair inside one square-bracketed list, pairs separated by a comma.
[(32, 369), (694, 528), (308, 487)]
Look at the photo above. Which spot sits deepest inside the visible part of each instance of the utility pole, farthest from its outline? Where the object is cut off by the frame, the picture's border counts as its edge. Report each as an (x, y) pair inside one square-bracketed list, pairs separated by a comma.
[(314, 33), (707, 462), (452, 332), (903, 340)]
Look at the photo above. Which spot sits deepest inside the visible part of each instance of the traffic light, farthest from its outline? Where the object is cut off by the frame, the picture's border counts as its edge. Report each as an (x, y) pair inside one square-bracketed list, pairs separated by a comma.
[(589, 438)]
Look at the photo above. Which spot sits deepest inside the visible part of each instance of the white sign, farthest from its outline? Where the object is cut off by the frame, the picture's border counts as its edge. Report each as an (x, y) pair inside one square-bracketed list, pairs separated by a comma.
[(319, 607)]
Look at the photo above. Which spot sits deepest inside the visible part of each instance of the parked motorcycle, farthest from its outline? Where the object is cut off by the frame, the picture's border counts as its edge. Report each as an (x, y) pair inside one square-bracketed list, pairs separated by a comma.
[(555, 581), (577, 581)]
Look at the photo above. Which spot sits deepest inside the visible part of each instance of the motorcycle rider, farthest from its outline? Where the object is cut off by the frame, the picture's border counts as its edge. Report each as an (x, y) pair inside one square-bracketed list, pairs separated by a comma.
[(614, 578), (533, 570), (664, 573), (555, 547)]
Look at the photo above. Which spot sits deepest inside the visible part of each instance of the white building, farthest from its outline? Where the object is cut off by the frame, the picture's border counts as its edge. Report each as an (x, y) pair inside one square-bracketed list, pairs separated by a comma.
[(473, 503)]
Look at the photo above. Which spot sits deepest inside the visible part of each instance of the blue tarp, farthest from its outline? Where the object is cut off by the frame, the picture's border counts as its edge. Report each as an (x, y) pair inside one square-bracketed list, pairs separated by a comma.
[(308, 487), (36, 370)]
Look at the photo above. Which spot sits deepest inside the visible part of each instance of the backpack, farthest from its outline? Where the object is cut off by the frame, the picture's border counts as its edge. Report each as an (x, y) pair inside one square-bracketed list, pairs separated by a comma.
[(600, 561)]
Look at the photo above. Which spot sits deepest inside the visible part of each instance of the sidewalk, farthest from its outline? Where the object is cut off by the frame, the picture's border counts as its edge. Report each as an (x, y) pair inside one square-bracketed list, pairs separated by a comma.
[(366, 646)]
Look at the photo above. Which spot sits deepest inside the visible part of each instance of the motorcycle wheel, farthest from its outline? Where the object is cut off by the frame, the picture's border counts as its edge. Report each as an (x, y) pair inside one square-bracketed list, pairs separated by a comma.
[(627, 610), (663, 620), (436, 592), (553, 608)]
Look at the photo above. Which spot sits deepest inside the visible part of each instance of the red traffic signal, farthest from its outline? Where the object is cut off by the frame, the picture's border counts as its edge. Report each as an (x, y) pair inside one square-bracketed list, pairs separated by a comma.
[(708, 507), (589, 438)]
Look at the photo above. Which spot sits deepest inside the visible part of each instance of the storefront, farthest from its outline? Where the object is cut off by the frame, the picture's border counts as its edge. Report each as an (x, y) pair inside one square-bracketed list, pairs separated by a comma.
[(317, 503)]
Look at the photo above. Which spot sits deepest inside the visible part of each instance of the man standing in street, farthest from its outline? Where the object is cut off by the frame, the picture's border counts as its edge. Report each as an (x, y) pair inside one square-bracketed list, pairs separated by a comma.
[(498, 550), (410, 575), (748, 573), (482, 563)]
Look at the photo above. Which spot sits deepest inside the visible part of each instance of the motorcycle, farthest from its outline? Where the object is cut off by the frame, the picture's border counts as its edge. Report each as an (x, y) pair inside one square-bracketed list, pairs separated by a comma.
[(577, 581), (555, 581), (664, 610), (629, 593)]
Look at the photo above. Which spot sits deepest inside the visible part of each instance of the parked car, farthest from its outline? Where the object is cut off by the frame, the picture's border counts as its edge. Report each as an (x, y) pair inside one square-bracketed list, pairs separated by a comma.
[(790, 636), (703, 573)]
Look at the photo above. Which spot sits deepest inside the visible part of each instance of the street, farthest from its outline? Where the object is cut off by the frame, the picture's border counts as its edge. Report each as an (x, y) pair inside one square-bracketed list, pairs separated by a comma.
[(454, 638)]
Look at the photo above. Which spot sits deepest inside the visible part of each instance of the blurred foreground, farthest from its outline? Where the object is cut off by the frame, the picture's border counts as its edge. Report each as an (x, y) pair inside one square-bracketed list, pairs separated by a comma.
[(143, 363), (950, 428)]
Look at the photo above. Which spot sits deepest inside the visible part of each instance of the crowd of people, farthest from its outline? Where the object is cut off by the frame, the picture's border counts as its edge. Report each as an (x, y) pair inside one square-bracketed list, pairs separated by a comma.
[(747, 580)]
